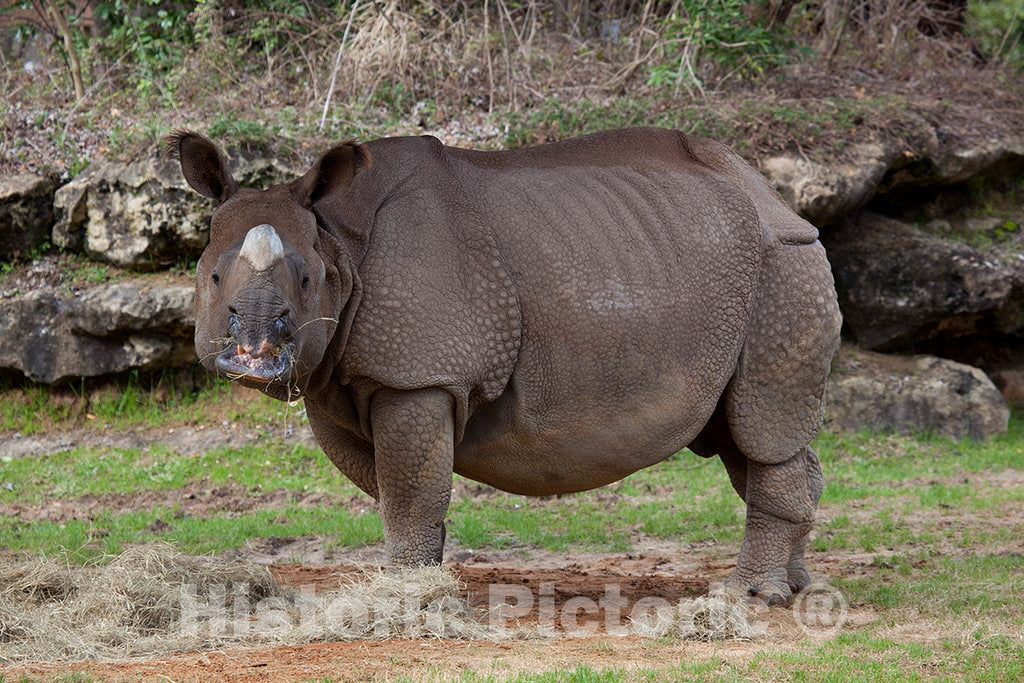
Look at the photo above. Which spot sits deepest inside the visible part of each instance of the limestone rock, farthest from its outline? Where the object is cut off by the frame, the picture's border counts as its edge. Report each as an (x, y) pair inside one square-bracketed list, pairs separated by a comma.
[(901, 288), (1010, 381), (883, 170), (119, 306), (823, 193), (26, 214), (106, 329), (138, 215), (908, 394), (142, 214), (952, 164)]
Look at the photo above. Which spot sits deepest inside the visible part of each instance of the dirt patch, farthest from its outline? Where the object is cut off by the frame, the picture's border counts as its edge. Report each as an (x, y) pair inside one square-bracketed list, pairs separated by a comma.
[(193, 500), (445, 658), (710, 561), (181, 440), (409, 658), (136, 579), (561, 584)]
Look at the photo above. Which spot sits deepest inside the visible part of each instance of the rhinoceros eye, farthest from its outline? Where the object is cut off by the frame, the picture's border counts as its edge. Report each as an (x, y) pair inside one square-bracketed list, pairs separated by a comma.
[(215, 278), (305, 281)]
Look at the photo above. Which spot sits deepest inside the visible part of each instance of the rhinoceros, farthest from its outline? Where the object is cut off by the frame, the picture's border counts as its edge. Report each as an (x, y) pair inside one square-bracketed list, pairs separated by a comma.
[(543, 320)]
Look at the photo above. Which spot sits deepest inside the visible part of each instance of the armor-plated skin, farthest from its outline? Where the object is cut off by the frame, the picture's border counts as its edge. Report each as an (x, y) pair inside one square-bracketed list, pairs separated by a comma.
[(545, 320)]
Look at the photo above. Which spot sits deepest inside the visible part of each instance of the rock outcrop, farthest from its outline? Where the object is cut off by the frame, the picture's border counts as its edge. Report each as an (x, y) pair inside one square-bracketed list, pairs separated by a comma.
[(823, 193), (901, 288), (55, 336), (138, 215), (1011, 384), (26, 214), (949, 165), (142, 215), (909, 394), (883, 169)]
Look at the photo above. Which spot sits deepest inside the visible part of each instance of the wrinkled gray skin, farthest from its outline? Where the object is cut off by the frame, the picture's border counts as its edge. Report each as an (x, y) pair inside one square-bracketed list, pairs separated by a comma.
[(545, 321)]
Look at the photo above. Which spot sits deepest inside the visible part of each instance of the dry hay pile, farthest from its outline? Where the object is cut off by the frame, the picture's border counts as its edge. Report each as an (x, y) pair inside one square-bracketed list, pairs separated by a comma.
[(721, 615), (153, 600)]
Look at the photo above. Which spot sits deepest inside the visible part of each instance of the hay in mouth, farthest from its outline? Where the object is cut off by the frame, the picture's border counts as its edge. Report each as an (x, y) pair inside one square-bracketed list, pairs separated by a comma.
[(236, 363)]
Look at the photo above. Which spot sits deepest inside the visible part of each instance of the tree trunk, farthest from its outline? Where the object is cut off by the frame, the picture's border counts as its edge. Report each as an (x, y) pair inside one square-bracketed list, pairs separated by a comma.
[(74, 65), (836, 16)]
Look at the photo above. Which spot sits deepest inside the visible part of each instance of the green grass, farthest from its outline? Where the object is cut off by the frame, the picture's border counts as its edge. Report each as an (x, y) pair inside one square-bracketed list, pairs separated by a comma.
[(29, 410), (133, 404), (685, 498), (96, 471), (75, 271), (865, 656), (968, 585), (108, 532)]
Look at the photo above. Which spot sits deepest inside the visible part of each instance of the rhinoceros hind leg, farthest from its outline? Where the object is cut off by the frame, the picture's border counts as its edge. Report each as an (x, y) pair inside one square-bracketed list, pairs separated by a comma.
[(775, 402), (796, 569), (774, 407), (781, 501)]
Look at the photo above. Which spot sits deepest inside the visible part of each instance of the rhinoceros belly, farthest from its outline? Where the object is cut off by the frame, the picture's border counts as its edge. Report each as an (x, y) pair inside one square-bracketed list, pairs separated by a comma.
[(634, 289)]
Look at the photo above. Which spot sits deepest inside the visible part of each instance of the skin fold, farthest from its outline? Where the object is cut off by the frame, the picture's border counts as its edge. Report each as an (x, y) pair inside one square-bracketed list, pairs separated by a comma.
[(545, 320)]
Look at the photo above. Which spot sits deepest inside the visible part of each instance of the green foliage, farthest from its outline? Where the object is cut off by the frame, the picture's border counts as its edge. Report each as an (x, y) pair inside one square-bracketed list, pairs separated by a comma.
[(822, 127), (275, 23), (554, 119), (231, 129), (156, 34), (714, 37), (91, 273), (997, 26), (1008, 229)]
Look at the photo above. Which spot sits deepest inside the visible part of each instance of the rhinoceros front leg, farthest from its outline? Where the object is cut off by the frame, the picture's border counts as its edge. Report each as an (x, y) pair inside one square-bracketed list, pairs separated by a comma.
[(781, 501), (413, 435)]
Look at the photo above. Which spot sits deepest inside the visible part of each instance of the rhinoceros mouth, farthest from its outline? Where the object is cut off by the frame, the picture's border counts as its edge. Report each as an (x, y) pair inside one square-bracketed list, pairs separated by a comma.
[(236, 364)]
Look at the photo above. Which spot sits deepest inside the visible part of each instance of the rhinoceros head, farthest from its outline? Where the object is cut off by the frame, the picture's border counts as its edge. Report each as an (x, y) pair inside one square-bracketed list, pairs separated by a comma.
[(272, 283)]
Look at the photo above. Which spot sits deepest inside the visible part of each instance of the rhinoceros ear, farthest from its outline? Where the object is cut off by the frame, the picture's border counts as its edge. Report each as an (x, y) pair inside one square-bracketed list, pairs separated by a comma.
[(334, 171), (202, 164)]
